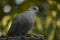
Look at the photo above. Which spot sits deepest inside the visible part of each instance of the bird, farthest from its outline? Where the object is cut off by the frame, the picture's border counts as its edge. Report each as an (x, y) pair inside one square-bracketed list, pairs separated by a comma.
[(23, 22)]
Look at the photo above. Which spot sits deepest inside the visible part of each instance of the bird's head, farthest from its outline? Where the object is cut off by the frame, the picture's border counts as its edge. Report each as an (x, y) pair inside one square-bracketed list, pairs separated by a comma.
[(34, 9)]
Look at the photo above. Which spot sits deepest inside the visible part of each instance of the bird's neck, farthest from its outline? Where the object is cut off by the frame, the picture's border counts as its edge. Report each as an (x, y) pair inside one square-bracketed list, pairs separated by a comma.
[(31, 13)]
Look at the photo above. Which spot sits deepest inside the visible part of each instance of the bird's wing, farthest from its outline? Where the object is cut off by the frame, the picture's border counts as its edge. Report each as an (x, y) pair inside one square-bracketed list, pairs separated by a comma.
[(24, 27), (14, 27), (25, 24)]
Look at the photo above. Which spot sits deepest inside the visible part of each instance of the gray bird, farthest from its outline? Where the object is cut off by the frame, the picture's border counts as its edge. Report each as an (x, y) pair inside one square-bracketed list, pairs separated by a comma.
[(23, 22)]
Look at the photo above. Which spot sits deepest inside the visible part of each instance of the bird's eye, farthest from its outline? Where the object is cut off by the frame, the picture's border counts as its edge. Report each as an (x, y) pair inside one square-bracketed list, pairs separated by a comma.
[(34, 8)]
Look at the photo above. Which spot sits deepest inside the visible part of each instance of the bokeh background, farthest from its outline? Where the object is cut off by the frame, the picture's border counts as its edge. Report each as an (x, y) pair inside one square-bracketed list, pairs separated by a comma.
[(47, 22)]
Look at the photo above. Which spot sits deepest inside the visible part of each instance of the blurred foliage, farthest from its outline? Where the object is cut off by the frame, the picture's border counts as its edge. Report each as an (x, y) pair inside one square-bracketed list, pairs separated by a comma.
[(47, 21)]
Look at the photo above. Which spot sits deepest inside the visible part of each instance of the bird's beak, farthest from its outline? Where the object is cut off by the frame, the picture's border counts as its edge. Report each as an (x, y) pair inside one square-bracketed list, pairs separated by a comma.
[(38, 12)]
